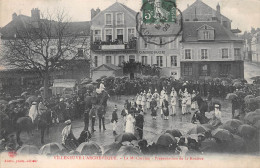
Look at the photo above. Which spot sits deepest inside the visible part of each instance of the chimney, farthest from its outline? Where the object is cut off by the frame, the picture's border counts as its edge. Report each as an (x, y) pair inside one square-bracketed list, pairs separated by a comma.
[(218, 8), (97, 11), (35, 14), (94, 12), (14, 16)]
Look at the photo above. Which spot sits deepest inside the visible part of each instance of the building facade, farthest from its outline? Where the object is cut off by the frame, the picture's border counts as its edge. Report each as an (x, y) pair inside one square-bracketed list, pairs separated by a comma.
[(113, 35), (255, 47), (210, 50)]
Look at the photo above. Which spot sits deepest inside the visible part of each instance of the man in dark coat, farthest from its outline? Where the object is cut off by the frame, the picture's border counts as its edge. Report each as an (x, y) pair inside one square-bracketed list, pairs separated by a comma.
[(86, 118), (140, 124), (114, 120), (93, 117), (101, 116)]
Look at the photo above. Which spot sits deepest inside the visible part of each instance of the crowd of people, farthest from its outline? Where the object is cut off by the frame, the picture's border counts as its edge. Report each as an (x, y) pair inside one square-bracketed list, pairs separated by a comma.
[(163, 94)]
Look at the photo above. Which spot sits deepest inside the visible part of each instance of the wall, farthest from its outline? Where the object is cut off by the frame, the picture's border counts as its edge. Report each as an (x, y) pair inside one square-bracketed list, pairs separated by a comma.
[(214, 49)]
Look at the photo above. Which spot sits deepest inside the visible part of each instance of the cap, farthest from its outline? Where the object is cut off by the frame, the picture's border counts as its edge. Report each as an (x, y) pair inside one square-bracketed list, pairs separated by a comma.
[(216, 105)]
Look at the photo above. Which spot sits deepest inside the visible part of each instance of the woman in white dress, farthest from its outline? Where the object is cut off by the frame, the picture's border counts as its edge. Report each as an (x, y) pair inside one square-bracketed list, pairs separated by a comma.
[(33, 112), (156, 97), (130, 124), (148, 98), (188, 103), (143, 102), (139, 99), (173, 104)]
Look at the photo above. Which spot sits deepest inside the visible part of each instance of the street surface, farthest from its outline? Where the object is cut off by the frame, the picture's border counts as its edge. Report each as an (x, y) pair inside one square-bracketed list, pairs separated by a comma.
[(151, 127)]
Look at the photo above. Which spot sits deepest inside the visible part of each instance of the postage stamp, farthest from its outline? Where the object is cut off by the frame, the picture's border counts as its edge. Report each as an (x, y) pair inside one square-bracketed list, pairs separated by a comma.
[(159, 18), (159, 11)]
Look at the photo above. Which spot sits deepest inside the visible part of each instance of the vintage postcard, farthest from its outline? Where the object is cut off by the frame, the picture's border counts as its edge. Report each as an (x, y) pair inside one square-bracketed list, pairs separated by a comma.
[(129, 83)]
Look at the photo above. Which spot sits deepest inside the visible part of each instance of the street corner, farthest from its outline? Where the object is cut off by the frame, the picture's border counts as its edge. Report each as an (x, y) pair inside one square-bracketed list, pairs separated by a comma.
[(159, 18)]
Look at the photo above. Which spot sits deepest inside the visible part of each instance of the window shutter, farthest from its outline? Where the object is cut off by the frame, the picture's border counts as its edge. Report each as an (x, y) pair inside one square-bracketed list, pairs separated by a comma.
[(183, 54), (209, 52), (192, 54), (229, 53), (199, 55), (219, 53)]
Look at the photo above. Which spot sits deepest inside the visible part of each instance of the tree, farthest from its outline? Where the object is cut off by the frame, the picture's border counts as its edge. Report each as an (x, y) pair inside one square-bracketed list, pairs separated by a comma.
[(44, 45)]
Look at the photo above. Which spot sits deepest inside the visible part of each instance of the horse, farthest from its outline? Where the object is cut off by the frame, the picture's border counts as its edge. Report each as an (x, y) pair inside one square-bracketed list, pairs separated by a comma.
[(198, 116), (27, 124), (103, 98), (203, 105)]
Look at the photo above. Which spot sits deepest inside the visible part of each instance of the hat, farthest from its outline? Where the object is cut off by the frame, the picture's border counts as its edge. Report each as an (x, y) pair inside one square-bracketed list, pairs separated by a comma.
[(68, 122), (216, 105), (34, 103), (155, 90)]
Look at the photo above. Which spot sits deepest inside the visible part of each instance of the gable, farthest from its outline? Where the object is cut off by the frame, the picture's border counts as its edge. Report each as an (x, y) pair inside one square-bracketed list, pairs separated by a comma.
[(205, 27), (116, 7)]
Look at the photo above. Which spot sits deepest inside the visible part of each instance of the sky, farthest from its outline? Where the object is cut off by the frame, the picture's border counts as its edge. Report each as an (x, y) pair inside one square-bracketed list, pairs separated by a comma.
[(243, 13)]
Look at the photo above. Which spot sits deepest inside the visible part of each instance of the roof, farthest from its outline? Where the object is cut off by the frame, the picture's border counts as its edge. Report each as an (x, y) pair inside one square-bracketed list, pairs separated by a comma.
[(131, 11), (22, 22), (221, 33), (107, 66), (200, 6)]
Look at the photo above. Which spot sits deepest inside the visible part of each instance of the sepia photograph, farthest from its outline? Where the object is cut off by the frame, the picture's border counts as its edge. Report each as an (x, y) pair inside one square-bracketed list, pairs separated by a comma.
[(129, 83)]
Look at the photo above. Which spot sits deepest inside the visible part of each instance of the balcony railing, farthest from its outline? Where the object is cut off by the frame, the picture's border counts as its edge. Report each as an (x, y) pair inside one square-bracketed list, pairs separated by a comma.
[(115, 45)]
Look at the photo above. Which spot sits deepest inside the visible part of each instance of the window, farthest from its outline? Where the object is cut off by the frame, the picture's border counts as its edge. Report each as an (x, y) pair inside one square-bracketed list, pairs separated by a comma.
[(121, 59), (224, 69), (97, 35), (237, 52), (159, 60), (173, 61), (120, 36), (224, 53), (131, 58), (204, 70), (204, 53), (108, 35), (187, 69), (108, 60), (120, 18), (187, 53), (108, 19), (80, 52), (206, 35), (131, 33), (96, 61), (144, 60)]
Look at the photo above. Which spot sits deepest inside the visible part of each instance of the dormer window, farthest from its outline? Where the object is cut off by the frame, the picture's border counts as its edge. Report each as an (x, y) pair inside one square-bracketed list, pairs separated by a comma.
[(206, 32), (206, 35)]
